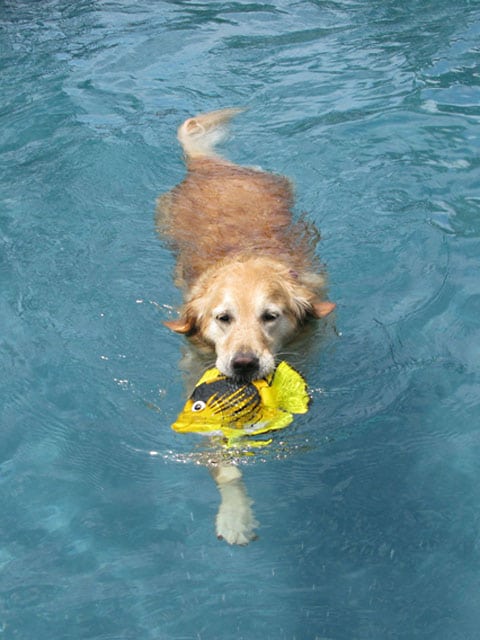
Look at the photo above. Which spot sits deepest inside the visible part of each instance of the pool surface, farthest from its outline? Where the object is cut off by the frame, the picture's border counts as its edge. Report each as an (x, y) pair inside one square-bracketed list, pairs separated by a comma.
[(369, 505)]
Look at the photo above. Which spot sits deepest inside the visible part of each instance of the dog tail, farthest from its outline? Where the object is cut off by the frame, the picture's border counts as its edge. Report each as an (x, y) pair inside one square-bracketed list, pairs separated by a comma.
[(199, 135)]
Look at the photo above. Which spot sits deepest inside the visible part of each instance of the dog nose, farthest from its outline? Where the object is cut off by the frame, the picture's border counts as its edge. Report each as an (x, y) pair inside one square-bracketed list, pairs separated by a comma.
[(245, 365)]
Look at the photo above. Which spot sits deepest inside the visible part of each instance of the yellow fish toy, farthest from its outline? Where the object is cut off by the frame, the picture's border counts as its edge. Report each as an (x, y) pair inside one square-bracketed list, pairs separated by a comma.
[(221, 406)]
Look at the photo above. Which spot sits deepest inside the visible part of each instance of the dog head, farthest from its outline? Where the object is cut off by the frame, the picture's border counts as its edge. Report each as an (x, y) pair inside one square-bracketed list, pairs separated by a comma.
[(247, 310)]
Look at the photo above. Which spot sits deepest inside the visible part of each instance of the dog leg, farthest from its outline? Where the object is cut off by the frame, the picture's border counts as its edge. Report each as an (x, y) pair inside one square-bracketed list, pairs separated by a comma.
[(235, 520)]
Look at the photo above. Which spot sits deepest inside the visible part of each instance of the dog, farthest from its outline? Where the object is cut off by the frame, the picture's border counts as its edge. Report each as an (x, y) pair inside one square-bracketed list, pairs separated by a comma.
[(249, 272)]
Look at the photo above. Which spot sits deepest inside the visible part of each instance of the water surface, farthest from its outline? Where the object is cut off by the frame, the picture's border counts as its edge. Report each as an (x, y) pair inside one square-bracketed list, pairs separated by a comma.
[(369, 504)]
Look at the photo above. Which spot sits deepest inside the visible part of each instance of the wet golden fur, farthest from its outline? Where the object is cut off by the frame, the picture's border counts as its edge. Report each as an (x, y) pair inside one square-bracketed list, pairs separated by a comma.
[(249, 271)]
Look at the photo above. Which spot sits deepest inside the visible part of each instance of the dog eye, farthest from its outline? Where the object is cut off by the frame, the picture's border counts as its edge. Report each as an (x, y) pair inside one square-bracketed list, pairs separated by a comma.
[(224, 318), (199, 405), (269, 316)]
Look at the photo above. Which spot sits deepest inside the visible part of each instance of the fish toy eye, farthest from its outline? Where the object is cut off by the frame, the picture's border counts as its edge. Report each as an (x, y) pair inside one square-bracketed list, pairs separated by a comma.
[(199, 405)]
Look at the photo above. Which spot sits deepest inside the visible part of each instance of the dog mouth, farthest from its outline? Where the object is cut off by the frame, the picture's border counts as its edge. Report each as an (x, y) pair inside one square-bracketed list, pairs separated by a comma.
[(245, 367), (245, 378)]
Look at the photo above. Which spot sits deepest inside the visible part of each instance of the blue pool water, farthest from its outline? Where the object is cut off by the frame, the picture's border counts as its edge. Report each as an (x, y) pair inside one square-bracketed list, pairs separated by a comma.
[(369, 505)]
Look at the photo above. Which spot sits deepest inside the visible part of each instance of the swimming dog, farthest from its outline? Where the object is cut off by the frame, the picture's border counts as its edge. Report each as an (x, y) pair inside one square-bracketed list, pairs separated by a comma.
[(249, 271)]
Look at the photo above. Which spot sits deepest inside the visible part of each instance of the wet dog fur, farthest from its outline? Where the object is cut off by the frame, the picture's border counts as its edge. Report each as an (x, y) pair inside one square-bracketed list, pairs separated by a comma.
[(249, 271)]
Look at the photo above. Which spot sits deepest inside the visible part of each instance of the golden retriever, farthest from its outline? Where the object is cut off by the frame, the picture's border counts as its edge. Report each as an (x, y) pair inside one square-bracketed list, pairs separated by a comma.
[(249, 272)]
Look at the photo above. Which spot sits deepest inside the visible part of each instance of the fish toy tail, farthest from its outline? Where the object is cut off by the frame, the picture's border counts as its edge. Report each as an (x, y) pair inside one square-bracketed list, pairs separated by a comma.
[(291, 389)]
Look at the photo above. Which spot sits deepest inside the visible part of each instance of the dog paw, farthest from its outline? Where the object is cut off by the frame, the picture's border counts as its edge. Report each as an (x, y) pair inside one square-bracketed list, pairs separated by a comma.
[(236, 527), (235, 521)]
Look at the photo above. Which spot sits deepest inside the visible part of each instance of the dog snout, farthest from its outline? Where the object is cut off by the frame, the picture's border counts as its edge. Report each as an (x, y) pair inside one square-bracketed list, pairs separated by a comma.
[(245, 365)]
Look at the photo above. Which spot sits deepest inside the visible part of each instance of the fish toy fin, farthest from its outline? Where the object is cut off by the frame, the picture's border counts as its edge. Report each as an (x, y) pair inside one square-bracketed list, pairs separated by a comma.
[(245, 445), (209, 376)]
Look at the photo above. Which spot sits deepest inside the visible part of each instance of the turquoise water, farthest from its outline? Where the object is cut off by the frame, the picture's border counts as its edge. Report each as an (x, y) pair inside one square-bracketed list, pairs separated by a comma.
[(369, 506)]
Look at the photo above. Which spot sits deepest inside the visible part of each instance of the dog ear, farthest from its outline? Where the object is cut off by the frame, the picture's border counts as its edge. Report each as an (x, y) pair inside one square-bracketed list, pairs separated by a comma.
[(322, 308), (312, 282), (182, 325)]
